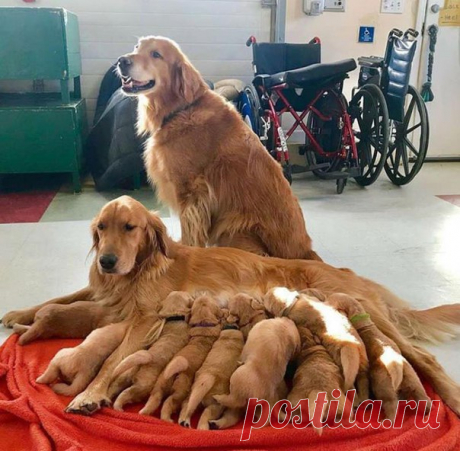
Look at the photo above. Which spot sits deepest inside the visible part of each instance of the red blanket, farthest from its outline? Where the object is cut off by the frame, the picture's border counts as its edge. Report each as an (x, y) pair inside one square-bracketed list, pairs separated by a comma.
[(32, 418)]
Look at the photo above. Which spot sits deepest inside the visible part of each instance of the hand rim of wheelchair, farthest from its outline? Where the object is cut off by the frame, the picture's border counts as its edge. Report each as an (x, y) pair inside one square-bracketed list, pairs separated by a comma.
[(372, 142), (400, 142)]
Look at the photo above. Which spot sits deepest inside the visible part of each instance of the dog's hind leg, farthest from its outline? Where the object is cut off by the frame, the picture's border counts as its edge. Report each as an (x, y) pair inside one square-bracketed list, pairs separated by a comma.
[(229, 419), (199, 390), (170, 407), (96, 394), (210, 413)]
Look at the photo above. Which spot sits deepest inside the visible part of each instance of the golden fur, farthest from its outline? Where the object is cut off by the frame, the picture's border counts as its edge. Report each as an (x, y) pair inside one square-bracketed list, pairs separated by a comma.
[(150, 363), (389, 372), (76, 320), (76, 367), (316, 372), (270, 346), (205, 327), (213, 378), (334, 331), (161, 266), (208, 165)]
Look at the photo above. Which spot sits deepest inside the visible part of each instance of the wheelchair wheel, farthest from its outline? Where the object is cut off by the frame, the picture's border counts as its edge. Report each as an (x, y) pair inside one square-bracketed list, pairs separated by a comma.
[(250, 108), (409, 141), (369, 114), (328, 134)]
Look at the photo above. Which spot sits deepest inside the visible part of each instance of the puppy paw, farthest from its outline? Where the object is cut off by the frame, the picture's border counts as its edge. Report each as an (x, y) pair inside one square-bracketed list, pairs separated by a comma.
[(185, 423), (213, 426), (85, 404), (25, 317)]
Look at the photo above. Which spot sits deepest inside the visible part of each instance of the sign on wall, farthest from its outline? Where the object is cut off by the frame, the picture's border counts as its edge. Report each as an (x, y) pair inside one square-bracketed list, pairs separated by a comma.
[(450, 14), (366, 34)]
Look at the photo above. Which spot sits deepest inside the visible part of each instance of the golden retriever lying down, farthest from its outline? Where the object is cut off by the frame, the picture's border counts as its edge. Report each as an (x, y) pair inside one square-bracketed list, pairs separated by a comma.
[(205, 161), (148, 265)]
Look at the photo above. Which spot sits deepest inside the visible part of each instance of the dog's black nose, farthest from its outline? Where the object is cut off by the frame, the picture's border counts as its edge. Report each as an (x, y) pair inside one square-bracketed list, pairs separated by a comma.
[(124, 62), (108, 261)]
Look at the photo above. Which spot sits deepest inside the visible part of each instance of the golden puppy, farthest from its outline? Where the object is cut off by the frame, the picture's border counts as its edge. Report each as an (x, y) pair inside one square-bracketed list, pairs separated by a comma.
[(174, 336), (389, 371), (177, 378), (246, 311), (332, 328), (213, 378), (76, 367), (271, 344), (206, 163), (150, 265), (76, 320), (316, 372)]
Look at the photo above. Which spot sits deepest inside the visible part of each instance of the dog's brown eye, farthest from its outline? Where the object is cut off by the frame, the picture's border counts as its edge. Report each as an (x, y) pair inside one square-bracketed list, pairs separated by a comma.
[(155, 54), (129, 227), (100, 226)]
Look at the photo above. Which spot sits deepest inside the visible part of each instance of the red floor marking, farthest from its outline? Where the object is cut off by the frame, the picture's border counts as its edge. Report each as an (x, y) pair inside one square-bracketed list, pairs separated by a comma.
[(452, 198), (24, 207)]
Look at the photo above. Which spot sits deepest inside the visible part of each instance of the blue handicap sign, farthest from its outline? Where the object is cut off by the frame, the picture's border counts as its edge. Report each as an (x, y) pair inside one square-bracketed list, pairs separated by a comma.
[(366, 34)]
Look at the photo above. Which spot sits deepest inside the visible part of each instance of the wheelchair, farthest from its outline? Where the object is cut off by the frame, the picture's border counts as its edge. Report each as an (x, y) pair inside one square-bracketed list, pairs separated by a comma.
[(409, 124), (341, 140)]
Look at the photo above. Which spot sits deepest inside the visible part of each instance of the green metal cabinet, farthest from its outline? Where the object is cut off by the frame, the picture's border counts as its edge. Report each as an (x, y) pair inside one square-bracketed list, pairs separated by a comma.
[(40, 44), (41, 133)]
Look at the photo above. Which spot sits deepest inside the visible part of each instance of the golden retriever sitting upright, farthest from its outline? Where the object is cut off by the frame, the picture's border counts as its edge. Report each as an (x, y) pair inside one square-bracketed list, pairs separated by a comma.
[(205, 161), (145, 265)]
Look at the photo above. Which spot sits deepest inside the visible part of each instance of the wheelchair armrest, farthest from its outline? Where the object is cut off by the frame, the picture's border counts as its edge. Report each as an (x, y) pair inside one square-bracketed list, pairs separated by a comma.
[(259, 80), (371, 61)]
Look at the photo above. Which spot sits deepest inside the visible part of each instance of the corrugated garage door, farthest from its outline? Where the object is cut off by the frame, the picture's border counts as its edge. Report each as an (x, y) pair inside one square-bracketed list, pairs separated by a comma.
[(211, 32)]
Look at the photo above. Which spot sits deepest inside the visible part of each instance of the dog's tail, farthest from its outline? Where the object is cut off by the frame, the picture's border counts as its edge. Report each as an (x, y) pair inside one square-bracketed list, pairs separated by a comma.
[(432, 325), (175, 366), (200, 389), (349, 357), (138, 358)]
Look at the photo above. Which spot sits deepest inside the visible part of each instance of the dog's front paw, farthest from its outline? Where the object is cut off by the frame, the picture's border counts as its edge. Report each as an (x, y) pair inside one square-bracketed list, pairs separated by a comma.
[(86, 404), (24, 317)]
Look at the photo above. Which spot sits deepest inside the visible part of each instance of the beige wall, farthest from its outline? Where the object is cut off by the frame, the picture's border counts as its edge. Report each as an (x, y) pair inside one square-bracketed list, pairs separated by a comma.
[(339, 31)]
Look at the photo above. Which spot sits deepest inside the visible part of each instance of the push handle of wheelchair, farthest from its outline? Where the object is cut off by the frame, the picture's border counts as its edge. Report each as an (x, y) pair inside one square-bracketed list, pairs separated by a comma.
[(411, 32), (396, 32), (315, 40), (251, 41)]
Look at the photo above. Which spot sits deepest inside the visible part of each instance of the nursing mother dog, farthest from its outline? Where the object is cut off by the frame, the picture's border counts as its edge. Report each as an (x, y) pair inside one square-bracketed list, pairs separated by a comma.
[(206, 163)]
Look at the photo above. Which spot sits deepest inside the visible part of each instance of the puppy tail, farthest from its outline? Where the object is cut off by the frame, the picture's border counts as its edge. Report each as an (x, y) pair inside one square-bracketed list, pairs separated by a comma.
[(433, 325), (349, 357), (175, 366), (199, 390), (138, 358)]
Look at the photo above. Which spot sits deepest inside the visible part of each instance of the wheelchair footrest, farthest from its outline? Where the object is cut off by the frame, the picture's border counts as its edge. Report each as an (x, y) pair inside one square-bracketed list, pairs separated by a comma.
[(313, 167), (335, 175)]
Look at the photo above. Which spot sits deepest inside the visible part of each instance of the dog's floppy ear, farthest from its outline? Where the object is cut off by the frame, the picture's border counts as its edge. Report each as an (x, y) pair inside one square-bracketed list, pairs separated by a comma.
[(94, 234), (157, 235), (186, 81)]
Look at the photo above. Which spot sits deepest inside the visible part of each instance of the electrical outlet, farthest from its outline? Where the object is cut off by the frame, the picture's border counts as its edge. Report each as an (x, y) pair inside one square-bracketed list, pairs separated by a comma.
[(334, 5), (392, 6)]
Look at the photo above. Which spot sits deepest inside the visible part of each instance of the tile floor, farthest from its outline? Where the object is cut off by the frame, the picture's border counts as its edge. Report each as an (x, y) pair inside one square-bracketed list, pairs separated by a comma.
[(406, 238)]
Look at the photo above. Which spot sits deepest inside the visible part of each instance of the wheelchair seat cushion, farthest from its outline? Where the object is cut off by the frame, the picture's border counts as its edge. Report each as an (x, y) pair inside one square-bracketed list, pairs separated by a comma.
[(310, 74)]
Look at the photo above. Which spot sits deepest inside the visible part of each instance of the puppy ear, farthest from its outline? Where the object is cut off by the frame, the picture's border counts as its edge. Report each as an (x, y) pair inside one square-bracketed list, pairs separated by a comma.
[(256, 305), (186, 81)]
